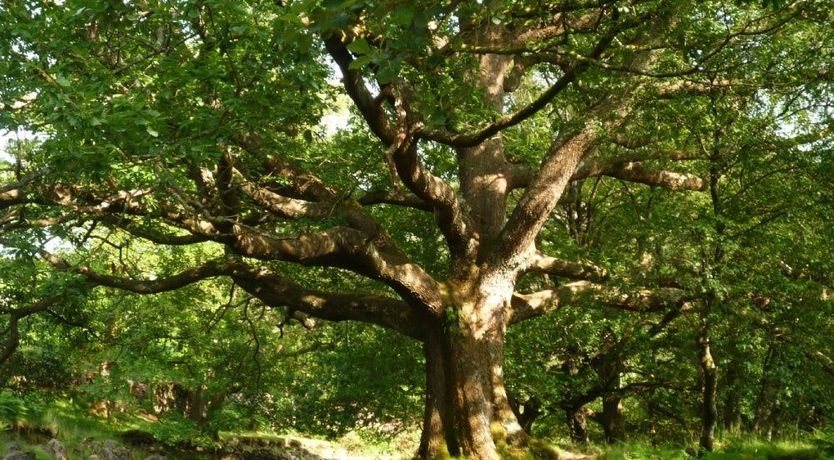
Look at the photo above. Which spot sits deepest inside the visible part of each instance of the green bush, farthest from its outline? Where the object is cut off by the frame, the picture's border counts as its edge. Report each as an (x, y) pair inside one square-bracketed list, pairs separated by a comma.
[(12, 408), (180, 432)]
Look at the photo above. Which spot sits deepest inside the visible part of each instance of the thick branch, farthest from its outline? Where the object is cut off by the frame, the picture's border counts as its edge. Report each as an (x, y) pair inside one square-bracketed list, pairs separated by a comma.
[(271, 288), (152, 235), (570, 74), (282, 206), (567, 269), (636, 172), (15, 315), (476, 137), (397, 198), (527, 306), (628, 167), (277, 291)]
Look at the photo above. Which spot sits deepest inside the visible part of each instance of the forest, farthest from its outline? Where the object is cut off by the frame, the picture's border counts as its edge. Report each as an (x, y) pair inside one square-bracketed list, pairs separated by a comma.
[(430, 229)]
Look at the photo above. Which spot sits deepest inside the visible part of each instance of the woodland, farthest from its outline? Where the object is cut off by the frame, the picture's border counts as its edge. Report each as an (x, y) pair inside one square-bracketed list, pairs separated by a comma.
[(417, 229)]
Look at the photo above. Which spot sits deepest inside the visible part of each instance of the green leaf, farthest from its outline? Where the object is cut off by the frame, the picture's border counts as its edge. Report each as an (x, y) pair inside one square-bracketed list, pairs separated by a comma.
[(360, 62), (359, 47), (63, 81)]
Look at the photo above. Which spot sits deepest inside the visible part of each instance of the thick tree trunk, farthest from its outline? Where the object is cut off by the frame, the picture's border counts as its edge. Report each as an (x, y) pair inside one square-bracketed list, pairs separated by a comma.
[(526, 412), (467, 410), (439, 439)]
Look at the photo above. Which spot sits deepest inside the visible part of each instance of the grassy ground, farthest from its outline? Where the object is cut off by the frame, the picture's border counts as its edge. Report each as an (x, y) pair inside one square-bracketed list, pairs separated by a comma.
[(31, 425), (731, 449), (82, 434)]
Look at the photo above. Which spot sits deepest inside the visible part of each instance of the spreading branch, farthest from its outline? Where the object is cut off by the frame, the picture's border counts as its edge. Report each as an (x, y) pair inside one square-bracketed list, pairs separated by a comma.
[(567, 269), (273, 289), (533, 305)]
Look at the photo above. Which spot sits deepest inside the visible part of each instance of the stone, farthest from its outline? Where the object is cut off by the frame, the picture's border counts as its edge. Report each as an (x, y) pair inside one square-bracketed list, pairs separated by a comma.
[(137, 437), (56, 449), (14, 453), (110, 450), (18, 455)]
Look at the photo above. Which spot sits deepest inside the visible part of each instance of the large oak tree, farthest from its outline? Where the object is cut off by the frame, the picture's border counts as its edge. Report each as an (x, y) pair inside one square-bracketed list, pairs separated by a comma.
[(198, 123)]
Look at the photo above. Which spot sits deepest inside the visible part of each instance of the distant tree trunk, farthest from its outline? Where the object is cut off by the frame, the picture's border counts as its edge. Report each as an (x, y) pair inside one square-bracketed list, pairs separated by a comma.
[(709, 370), (762, 422), (709, 375), (731, 413), (612, 418), (577, 418), (609, 370), (526, 412), (652, 424), (731, 417)]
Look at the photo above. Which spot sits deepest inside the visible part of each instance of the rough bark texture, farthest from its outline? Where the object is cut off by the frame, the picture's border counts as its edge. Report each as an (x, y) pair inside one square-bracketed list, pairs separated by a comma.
[(439, 439)]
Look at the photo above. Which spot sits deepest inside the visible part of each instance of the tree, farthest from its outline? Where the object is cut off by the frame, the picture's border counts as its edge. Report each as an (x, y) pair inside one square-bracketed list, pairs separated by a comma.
[(197, 123)]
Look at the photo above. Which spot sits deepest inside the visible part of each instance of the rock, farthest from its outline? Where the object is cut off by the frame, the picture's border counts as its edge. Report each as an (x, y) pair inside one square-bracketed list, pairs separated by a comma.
[(14, 453), (110, 450), (56, 449), (18, 455), (137, 437)]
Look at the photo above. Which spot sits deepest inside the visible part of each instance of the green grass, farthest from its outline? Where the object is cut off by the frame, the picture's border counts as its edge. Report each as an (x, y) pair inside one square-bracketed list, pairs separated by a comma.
[(761, 450), (643, 451), (79, 432), (729, 449)]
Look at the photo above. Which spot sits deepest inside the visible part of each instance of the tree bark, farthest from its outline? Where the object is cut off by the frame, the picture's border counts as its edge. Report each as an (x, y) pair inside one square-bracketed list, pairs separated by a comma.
[(763, 421), (467, 409), (438, 439)]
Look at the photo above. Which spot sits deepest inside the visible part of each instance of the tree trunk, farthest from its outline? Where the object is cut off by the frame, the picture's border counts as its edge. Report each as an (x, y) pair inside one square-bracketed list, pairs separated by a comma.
[(195, 405), (613, 421), (732, 400), (609, 366), (438, 439), (709, 374), (577, 418), (762, 423), (732, 377), (467, 411), (526, 412)]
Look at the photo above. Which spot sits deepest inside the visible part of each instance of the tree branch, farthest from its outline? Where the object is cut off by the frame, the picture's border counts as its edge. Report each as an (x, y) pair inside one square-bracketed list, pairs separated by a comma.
[(566, 269), (533, 305), (15, 315)]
